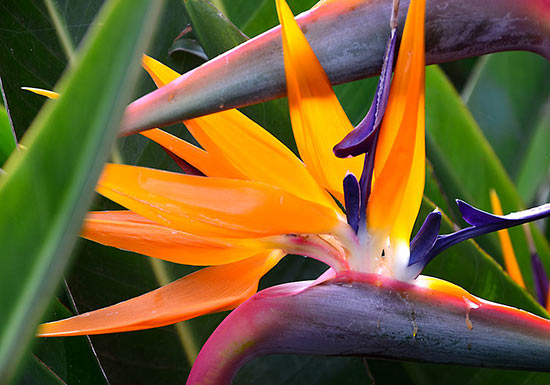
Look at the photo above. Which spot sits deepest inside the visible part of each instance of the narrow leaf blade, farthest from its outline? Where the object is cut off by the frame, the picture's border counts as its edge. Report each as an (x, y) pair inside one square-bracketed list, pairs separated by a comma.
[(49, 186)]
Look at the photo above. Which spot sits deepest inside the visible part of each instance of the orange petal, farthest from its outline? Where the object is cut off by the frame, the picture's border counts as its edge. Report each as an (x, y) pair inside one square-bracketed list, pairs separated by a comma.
[(160, 73), (39, 91), (510, 260), (209, 290), (400, 155), (230, 137), (214, 207), (318, 120), (256, 154), (195, 156), (126, 230), (198, 158)]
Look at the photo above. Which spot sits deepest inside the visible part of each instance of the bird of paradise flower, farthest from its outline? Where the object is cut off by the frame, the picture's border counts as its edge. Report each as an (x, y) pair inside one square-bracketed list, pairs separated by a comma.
[(252, 201)]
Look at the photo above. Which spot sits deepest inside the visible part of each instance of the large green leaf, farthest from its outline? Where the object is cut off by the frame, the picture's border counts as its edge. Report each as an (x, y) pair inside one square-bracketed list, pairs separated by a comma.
[(505, 96), (31, 52), (103, 276), (71, 360), (256, 16), (42, 206), (214, 31), (535, 165), (7, 139), (470, 159), (37, 372), (173, 21)]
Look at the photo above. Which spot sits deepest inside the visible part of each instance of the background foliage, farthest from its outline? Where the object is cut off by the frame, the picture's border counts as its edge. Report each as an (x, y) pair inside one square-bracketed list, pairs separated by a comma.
[(488, 123)]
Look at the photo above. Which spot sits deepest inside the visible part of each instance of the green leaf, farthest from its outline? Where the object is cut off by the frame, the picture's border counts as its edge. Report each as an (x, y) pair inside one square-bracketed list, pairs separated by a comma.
[(37, 372), (48, 187), (103, 276), (7, 138), (208, 22), (356, 97), (254, 17), (473, 164), (505, 96), (71, 359), (536, 162), (32, 54), (190, 46)]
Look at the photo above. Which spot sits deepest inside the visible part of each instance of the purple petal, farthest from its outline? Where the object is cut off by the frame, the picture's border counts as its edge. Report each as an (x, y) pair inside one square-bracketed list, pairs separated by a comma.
[(477, 217), (423, 243), (360, 140), (540, 278), (352, 194), (483, 223)]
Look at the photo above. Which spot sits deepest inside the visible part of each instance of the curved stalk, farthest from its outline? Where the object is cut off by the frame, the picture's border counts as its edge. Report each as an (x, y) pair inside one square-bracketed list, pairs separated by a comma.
[(375, 317), (349, 38)]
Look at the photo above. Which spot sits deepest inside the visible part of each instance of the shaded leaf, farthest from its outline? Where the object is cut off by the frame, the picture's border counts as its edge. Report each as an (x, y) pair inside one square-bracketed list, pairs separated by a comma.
[(31, 51), (41, 222), (505, 96), (254, 17), (475, 167), (188, 45), (71, 359), (37, 372), (215, 32), (7, 139), (535, 165)]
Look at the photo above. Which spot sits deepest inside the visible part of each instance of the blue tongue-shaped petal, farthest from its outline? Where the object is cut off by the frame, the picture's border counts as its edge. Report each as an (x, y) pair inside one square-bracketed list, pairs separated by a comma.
[(352, 194), (425, 238), (482, 223), (360, 140), (477, 217)]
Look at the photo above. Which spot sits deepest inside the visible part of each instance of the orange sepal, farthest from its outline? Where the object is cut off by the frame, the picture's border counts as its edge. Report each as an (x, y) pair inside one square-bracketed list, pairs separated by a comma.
[(128, 231), (209, 290), (197, 157), (400, 155), (318, 120), (214, 207), (248, 151)]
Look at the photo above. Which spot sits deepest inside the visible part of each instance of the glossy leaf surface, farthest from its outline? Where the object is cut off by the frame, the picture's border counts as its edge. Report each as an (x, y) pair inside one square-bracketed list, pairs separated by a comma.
[(42, 222)]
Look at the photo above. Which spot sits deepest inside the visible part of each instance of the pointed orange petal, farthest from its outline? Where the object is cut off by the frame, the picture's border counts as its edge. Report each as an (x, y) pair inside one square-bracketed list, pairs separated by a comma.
[(318, 120), (123, 230), (195, 156), (209, 290), (253, 153), (400, 155), (160, 73), (39, 91), (214, 207), (256, 154), (510, 260)]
